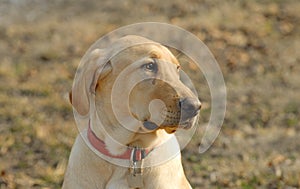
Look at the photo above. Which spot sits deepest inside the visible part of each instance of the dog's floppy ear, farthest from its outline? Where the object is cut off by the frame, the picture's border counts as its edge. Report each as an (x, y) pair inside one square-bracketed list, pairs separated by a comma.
[(92, 67)]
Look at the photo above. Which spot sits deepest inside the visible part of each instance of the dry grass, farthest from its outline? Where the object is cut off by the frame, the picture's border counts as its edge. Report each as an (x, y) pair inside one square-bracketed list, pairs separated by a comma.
[(255, 42)]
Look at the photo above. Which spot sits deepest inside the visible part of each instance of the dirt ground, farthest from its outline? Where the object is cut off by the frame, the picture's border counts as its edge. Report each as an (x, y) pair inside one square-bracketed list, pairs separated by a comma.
[(256, 44)]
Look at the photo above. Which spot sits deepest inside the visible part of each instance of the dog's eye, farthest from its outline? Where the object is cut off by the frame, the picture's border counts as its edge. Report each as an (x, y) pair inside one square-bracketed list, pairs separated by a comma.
[(152, 66)]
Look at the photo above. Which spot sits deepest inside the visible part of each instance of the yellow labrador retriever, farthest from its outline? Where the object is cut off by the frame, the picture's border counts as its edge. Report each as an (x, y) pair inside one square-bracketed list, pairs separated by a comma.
[(135, 140)]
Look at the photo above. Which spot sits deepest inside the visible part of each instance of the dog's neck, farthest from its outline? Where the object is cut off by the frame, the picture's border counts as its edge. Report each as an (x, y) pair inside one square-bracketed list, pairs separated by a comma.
[(117, 138), (114, 134), (166, 147), (132, 153)]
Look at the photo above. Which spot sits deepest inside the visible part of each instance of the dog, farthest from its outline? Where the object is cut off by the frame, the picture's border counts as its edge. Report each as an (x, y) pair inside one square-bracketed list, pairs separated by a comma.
[(143, 154)]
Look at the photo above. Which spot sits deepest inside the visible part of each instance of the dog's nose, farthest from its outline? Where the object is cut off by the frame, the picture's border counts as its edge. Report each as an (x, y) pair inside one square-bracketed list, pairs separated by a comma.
[(190, 107)]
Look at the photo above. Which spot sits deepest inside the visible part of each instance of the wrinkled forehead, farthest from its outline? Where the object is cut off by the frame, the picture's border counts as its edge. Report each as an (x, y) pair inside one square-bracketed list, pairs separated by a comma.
[(163, 53), (154, 50)]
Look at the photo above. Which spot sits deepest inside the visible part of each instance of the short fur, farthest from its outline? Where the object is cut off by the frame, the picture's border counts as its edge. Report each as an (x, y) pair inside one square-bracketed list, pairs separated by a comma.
[(85, 168)]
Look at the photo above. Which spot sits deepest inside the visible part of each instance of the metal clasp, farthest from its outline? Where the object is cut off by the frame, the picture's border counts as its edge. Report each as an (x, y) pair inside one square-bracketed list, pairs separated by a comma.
[(136, 160), (135, 179)]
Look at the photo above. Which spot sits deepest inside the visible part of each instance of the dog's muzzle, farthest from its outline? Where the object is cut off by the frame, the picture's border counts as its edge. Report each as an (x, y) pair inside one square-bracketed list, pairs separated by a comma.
[(189, 109)]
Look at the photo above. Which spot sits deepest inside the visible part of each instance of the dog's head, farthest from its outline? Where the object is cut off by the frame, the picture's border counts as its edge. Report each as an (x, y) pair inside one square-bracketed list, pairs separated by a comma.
[(149, 72)]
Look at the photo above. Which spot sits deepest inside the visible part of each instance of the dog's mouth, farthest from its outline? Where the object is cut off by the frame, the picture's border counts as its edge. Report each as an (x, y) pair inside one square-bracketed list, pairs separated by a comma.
[(170, 120), (169, 127), (175, 120), (181, 125), (151, 126)]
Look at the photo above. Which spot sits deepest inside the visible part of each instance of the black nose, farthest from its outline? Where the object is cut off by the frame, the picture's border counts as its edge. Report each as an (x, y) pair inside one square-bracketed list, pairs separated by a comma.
[(190, 107)]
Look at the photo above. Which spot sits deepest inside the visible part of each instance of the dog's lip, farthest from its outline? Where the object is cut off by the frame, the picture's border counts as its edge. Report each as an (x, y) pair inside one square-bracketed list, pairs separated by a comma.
[(149, 125), (170, 128)]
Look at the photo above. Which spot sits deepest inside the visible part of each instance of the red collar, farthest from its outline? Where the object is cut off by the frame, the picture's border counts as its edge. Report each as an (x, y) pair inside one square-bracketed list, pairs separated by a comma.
[(132, 153)]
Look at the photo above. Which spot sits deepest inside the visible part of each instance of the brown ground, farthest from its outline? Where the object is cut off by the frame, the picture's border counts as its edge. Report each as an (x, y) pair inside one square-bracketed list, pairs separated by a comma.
[(255, 42)]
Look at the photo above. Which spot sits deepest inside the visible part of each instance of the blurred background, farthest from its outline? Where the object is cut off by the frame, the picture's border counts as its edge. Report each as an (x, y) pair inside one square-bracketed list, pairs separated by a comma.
[(256, 44)]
